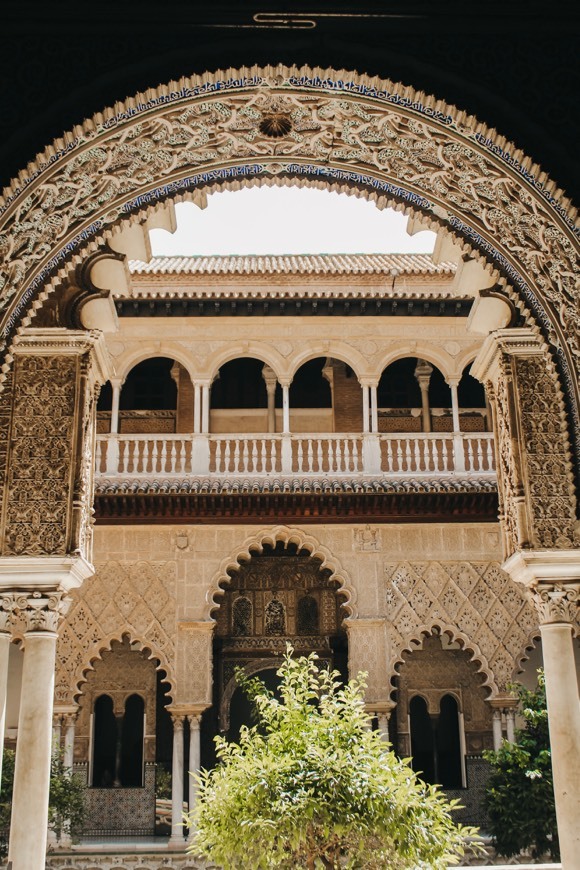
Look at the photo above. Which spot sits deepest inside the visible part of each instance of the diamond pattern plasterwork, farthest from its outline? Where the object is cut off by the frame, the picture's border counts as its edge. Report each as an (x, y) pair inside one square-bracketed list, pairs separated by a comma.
[(123, 598), (477, 601)]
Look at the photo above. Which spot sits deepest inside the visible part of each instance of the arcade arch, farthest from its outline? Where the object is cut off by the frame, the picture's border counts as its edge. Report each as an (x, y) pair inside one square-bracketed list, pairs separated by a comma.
[(505, 224)]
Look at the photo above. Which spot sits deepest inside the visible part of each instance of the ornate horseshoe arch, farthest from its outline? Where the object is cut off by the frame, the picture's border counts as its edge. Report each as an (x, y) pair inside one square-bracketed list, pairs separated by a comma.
[(324, 127)]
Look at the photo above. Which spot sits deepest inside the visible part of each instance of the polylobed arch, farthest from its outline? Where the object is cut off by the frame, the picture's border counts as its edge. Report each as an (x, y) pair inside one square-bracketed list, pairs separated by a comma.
[(270, 537), (138, 644), (385, 140), (414, 640)]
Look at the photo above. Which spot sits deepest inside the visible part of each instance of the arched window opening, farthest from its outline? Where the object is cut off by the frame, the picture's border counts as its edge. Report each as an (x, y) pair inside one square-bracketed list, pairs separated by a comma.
[(105, 400), (422, 740), (448, 744), (239, 384), (150, 386), (472, 400), (131, 766), (242, 617), (275, 618), (398, 387), (310, 387), (439, 392), (307, 618), (105, 731)]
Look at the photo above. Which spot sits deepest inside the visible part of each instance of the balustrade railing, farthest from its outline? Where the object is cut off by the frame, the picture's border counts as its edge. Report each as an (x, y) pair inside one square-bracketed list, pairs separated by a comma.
[(393, 454)]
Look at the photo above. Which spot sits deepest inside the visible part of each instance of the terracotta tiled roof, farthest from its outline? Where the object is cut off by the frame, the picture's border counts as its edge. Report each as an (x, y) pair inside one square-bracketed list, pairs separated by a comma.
[(233, 485), (307, 264)]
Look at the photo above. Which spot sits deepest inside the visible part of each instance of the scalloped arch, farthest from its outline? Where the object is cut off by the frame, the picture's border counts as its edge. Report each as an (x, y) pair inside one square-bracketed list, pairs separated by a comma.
[(381, 139), (270, 537), (457, 636), (105, 645)]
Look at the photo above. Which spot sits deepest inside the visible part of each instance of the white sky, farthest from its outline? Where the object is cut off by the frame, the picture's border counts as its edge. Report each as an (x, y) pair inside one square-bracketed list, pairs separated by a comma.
[(287, 220)]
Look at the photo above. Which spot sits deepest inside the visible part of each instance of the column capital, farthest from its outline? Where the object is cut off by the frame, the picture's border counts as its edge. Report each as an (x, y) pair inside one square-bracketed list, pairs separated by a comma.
[(177, 717), (557, 603), (285, 382), (553, 581), (117, 382), (369, 382), (41, 611)]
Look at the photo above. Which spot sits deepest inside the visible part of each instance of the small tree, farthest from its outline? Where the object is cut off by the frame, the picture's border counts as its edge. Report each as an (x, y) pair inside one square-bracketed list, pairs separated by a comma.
[(311, 786), (520, 795), (66, 809)]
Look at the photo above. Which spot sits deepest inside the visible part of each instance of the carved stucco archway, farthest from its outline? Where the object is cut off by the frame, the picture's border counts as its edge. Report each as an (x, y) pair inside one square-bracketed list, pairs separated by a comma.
[(347, 131), (270, 537)]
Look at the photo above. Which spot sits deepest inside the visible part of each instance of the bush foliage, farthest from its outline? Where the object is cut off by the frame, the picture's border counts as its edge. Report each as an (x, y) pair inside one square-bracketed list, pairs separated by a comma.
[(311, 786), (520, 793)]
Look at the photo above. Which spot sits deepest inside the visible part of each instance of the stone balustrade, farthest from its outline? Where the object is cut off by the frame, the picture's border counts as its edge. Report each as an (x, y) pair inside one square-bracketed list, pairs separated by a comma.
[(260, 455)]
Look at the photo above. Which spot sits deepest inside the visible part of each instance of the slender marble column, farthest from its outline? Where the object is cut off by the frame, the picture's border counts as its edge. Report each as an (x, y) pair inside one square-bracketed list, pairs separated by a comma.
[(205, 408), (197, 408), (177, 832), (365, 403), (510, 722), (453, 384), (497, 732), (374, 409), (69, 741), (116, 384), (4, 658), (285, 408), (423, 372), (194, 758), (56, 734), (564, 724), (33, 751)]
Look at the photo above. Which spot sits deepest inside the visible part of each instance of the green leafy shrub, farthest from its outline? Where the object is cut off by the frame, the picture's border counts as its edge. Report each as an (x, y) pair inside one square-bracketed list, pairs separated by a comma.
[(66, 810), (311, 786), (520, 795)]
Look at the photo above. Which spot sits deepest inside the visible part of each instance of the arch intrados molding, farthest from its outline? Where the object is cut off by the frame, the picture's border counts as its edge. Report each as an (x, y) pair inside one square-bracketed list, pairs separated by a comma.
[(104, 645), (255, 543), (125, 363), (511, 211), (422, 350), (413, 641)]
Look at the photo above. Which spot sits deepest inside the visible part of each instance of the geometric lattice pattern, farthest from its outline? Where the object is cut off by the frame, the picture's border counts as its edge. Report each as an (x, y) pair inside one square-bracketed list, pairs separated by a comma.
[(132, 598), (476, 602)]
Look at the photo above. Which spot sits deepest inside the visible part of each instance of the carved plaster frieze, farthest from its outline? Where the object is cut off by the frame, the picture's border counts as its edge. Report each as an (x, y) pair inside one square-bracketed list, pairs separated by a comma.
[(476, 603), (134, 599), (340, 130)]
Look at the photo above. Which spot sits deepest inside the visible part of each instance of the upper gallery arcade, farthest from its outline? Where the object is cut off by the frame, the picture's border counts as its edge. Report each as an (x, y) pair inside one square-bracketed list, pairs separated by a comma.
[(401, 430)]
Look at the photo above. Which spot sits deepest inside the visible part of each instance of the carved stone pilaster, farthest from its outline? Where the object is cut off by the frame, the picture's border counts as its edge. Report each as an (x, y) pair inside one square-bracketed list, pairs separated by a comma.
[(49, 484), (194, 659), (535, 478), (368, 653)]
